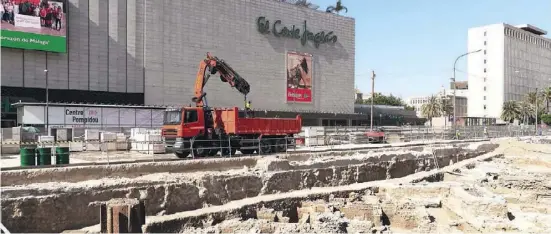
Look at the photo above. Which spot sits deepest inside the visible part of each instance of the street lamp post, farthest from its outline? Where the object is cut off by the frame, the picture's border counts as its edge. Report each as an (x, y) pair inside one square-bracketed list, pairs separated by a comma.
[(372, 96), (536, 104), (454, 86), (47, 97)]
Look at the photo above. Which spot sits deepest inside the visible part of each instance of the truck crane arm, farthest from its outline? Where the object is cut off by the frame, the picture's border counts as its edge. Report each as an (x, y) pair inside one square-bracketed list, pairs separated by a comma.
[(210, 66)]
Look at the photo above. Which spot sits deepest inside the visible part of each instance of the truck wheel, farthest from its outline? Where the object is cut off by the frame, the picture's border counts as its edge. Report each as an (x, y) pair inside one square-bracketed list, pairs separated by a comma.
[(181, 154), (265, 147), (281, 145), (247, 151), (201, 152), (226, 151), (213, 152)]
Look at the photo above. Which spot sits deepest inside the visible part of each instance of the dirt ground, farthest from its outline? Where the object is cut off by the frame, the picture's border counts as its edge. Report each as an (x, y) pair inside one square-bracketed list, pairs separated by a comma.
[(485, 187), (510, 193)]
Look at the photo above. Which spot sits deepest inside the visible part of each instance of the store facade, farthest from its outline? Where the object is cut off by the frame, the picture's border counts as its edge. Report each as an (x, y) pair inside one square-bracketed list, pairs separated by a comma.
[(146, 52)]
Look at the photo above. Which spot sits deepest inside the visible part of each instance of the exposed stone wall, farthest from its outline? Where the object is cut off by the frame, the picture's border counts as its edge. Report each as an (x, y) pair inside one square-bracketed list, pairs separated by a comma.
[(29, 208)]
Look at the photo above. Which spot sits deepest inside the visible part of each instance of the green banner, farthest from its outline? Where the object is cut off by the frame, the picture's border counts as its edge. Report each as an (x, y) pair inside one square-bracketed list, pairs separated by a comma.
[(33, 41)]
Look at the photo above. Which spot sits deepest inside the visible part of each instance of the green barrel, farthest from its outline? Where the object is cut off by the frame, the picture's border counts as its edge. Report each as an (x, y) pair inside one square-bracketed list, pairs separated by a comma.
[(27, 156), (44, 156), (62, 155)]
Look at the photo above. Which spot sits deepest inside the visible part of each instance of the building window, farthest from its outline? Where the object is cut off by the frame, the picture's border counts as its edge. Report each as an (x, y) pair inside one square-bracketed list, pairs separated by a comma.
[(484, 33), (484, 51), (484, 79), (484, 107), (484, 61), (484, 88), (484, 42), (484, 98), (484, 70)]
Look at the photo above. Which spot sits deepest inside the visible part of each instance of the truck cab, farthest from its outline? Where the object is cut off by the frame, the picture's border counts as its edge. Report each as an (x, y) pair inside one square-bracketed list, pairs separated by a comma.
[(180, 125)]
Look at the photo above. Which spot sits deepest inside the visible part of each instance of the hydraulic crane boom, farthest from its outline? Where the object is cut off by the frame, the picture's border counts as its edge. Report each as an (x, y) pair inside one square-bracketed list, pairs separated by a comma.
[(210, 66)]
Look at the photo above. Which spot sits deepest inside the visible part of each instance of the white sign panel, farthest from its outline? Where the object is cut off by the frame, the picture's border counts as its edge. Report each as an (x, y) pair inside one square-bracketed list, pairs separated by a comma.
[(27, 21), (110, 116), (157, 118), (143, 118), (92, 116), (127, 117), (33, 115), (56, 115), (79, 116), (71, 114)]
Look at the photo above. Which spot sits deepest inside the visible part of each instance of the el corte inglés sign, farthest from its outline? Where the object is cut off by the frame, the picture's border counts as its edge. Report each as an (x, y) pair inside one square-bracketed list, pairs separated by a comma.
[(294, 32)]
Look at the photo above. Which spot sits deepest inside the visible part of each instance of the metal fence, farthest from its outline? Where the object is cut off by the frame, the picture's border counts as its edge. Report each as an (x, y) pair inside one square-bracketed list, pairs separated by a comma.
[(424, 133), (333, 139)]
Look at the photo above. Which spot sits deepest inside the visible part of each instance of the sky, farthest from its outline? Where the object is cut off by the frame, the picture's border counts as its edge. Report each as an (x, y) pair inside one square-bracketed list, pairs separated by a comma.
[(412, 44)]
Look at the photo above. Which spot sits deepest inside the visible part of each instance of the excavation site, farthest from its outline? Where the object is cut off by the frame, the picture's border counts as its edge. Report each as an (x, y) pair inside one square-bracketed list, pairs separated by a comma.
[(481, 186)]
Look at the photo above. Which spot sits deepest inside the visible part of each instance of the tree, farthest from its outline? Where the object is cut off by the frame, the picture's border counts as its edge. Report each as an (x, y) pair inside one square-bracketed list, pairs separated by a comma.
[(446, 108), (531, 97), (408, 107), (337, 8), (532, 101), (304, 3), (546, 118), (511, 111), (526, 112), (381, 99), (547, 98), (431, 109)]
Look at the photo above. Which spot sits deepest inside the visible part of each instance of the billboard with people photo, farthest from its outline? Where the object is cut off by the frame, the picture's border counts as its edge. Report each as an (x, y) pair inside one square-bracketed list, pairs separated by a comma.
[(299, 77), (34, 24)]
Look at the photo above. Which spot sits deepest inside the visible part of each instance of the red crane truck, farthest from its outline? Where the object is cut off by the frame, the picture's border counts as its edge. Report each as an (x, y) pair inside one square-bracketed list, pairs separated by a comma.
[(205, 131)]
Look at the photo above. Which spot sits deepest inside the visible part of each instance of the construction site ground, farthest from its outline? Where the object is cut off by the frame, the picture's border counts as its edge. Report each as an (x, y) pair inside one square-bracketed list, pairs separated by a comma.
[(502, 185), (9, 161)]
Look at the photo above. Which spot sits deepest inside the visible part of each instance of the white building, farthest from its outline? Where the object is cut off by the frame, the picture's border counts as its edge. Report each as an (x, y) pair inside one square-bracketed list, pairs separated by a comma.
[(417, 103), (460, 97), (514, 60)]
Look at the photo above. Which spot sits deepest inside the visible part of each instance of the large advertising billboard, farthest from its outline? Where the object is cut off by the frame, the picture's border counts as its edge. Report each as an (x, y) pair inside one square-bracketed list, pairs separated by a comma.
[(299, 77), (34, 25)]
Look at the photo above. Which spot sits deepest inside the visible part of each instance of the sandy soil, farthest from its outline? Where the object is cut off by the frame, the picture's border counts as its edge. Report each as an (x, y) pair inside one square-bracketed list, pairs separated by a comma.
[(502, 191)]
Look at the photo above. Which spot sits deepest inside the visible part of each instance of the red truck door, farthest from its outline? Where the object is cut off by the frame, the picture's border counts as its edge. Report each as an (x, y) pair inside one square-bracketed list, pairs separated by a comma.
[(193, 122)]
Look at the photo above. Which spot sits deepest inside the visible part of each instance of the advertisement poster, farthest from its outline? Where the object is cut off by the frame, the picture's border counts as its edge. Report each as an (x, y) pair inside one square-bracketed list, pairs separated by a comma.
[(34, 25), (299, 77)]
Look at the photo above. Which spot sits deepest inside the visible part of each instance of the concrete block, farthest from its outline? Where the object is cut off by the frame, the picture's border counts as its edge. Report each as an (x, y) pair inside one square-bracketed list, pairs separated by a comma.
[(121, 145), (93, 146), (91, 135), (108, 137), (76, 146), (109, 146)]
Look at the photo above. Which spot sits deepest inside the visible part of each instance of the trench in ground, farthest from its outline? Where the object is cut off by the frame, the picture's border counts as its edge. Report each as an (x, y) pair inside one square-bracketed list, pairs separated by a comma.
[(29, 207)]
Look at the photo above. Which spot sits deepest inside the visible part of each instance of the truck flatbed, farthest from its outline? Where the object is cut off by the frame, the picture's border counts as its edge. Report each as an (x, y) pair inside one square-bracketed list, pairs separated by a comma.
[(232, 123)]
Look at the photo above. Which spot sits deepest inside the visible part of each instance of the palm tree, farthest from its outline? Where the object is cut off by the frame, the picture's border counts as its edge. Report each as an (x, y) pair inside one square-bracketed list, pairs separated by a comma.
[(446, 108), (511, 111), (303, 3), (526, 111), (534, 100), (431, 109), (547, 97), (337, 8), (531, 97)]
